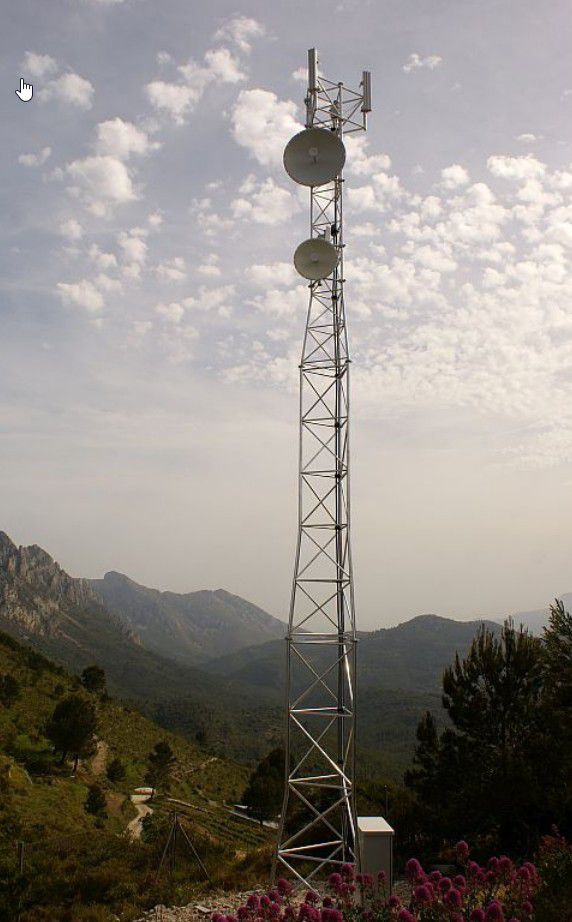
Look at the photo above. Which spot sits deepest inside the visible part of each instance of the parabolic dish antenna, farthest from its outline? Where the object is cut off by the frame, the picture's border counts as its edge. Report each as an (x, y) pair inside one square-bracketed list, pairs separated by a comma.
[(315, 259), (314, 156)]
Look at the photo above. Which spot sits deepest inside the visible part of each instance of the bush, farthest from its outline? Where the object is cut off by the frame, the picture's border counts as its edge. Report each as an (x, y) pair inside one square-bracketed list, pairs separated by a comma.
[(498, 892), (555, 866)]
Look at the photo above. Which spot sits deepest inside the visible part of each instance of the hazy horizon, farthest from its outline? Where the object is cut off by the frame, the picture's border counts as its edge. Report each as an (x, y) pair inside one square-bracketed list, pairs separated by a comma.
[(152, 321)]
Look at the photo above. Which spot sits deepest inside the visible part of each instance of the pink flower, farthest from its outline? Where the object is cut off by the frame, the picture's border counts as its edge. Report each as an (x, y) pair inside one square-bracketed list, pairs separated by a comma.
[(242, 914), (406, 916), (444, 885), (414, 871), (312, 897), (394, 902), (435, 876), (495, 912), (527, 908), (348, 871), (477, 915), (460, 882), (253, 901), (473, 868), (283, 886), (335, 880), (505, 864), (453, 899), (422, 894), (462, 850), (493, 864)]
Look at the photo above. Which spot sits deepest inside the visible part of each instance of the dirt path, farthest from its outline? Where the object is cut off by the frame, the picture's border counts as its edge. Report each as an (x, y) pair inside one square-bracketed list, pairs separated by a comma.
[(99, 761), (134, 828)]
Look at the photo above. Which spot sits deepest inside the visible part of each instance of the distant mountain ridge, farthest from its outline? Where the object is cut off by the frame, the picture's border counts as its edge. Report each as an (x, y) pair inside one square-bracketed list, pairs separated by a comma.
[(411, 656), (187, 627)]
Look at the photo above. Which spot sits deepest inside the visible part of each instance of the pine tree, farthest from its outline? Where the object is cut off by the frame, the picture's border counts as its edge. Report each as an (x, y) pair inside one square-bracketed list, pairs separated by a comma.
[(161, 762), (116, 770), (95, 802), (487, 773), (72, 728), (93, 679), (263, 795)]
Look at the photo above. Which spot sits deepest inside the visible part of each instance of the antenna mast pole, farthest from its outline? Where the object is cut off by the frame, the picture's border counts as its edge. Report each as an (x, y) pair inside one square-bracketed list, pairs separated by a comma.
[(318, 823)]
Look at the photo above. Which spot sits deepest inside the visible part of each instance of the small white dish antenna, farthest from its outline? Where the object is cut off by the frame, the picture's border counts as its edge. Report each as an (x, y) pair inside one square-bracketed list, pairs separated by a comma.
[(315, 259), (314, 156)]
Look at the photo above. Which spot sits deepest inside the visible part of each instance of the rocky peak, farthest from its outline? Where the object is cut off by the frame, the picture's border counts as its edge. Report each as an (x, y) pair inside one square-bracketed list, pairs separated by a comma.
[(35, 593)]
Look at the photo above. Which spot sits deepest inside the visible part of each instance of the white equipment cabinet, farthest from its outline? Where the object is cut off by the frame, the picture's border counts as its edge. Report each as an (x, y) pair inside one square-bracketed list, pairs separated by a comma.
[(376, 846)]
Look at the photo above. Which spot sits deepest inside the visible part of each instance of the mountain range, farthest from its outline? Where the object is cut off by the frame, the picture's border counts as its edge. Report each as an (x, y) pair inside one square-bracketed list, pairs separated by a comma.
[(211, 664)]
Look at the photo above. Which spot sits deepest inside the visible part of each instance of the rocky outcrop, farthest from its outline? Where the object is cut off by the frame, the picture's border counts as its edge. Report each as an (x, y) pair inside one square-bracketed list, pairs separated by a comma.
[(37, 597)]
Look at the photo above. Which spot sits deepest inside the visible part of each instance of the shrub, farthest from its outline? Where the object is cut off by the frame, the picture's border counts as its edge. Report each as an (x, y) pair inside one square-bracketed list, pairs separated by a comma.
[(554, 897), (499, 892)]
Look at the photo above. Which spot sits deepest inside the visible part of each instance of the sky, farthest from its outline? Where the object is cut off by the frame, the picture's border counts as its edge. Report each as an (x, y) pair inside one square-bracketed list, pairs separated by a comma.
[(151, 319)]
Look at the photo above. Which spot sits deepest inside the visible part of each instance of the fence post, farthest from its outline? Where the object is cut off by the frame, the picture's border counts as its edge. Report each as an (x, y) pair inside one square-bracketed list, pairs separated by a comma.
[(21, 852)]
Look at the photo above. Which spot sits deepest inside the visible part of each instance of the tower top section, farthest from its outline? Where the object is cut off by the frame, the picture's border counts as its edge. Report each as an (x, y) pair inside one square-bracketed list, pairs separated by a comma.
[(332, 104)]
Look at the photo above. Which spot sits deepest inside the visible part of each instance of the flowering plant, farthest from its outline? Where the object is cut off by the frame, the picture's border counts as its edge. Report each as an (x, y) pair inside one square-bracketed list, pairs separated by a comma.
[(501, 891)]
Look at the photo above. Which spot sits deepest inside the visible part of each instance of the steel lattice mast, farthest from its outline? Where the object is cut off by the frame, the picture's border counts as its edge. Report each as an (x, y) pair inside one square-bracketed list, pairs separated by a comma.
[(318, 825)]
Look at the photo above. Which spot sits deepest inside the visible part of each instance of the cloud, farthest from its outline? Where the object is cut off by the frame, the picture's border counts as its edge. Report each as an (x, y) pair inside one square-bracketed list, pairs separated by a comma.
[(104, 182), (454, 176), (102, 260), (83, 293), (134, 249), (71, 229), (38, 65), (175, 99), (69, 88), (173, 270), (264, 202), (173, 312), (271, 274), (528, 138), (263, 124), (416, 62), (118, 138), (215, 300), (506, 167), (241, 30), (35, 159), (223, 66), (178, 100)]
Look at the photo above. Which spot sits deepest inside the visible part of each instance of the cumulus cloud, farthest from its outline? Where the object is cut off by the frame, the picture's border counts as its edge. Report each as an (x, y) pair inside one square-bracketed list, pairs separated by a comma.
[(267, 274), (178, 100), (172, 270), (38, 159), (454, 176), (416, 62), (264, 202), (224, 66), (84, 294), (173, 312), (241, 30), (71, 229), (38, 65), (134, 249), (516, 167), (215, 300), (70, 89), (103, 181), (119, 138), (263, 124)]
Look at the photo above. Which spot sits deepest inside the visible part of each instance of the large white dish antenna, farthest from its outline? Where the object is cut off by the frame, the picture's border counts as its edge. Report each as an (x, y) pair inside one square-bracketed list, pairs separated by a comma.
[(314, 156), (315, 259)]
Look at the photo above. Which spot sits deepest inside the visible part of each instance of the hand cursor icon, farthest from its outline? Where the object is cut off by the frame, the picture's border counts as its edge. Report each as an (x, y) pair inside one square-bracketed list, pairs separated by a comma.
[(25, 92)]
